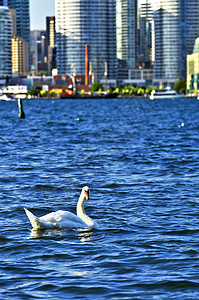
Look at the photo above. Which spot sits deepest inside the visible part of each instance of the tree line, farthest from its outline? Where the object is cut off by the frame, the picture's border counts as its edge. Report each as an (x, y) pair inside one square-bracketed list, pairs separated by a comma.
[(97, 87)]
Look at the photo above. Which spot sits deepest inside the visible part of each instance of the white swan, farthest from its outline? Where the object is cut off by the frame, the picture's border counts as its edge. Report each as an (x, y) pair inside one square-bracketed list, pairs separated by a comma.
[(64, 219)]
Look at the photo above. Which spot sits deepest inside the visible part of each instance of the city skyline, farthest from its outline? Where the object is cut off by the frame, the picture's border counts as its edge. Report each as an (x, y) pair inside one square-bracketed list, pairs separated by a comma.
[(109, 39)]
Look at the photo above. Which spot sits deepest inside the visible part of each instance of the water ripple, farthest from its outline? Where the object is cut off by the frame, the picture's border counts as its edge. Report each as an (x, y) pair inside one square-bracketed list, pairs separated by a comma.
[(140, 163)]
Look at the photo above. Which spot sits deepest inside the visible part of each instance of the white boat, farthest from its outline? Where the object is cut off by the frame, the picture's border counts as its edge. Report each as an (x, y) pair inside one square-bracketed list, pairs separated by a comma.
[(14, 89), (4, 97), (21, 96), (13, 92), (167, 93)]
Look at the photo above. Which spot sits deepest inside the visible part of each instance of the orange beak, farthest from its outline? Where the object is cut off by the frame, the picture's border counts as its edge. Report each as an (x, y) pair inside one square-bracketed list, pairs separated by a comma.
[(87, 195)]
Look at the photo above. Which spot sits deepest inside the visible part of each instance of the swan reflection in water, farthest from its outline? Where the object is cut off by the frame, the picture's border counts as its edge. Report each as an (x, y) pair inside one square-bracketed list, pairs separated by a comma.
[(84, 234)]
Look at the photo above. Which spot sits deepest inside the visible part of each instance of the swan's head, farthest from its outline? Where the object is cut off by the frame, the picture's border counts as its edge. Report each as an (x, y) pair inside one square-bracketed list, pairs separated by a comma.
[(85, 192)]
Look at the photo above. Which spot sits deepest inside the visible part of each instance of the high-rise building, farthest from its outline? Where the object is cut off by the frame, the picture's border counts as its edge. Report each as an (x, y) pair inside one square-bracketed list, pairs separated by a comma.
[(3, 2), (51, 41), (20, 56), (14, 21), (196, 19), (86, 22), (22, 17), (174, 22), (50, 31), (21, 35), (127, 33), (5, 43), (38, 52), (146, 34)]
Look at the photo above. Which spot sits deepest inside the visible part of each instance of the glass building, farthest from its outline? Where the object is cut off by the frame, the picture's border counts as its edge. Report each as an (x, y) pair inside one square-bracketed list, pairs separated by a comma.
[(174, 23), (86, 22), (3, 2), (22, 18), (146, 26), (127, 33), (5, 43)]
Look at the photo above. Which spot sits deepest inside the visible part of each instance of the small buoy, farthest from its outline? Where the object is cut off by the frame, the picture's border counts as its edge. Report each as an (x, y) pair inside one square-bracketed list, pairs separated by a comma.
[(21, 112), (181, 125)]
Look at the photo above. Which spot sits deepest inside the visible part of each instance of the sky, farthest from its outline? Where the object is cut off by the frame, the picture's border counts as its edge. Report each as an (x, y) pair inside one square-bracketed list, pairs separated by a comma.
[(39, 10)]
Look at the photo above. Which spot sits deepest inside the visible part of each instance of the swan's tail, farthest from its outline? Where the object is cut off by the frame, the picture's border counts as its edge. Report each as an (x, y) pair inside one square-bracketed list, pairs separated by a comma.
[(35, 222)]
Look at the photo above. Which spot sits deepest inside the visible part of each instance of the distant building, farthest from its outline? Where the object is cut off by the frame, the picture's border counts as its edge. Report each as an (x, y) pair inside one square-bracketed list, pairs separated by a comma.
[(174, 21), (22, 17), (14, 20), (193, 69), (20, 56), (127, 33), (50, 31), (21, 35), (136, 76), (51, 43), (38, 52), (3, 2), (146, 53), (43, 49), (92, 23), (5, 43)]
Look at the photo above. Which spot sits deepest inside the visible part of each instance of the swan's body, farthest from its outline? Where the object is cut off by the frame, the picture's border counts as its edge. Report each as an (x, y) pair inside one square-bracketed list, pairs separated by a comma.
[(64, 219)]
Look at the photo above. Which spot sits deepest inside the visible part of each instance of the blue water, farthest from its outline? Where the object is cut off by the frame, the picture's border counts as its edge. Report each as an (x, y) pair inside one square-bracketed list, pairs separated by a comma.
[(140, 159)]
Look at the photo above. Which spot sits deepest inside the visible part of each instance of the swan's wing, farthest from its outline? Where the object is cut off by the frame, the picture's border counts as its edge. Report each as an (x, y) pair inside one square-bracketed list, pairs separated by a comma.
[(63, 219), (36, 222)]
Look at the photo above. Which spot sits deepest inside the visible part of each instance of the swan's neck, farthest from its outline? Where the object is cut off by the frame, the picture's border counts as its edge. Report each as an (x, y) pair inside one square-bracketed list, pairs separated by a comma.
[(80, 208), (81, 212)]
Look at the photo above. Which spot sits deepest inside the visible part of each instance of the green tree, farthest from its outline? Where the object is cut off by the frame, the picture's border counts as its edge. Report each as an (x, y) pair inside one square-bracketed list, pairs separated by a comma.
[(140, 91), (121, 87), (43, 93), (116, 91), (131, 90), (43, 73), (51, 92), (180, 85), (58, 92), (149, 89), (96, 86), (33, 92)]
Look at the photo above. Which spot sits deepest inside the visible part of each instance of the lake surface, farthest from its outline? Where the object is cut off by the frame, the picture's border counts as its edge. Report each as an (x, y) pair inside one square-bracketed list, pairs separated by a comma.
[(140, 159)]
